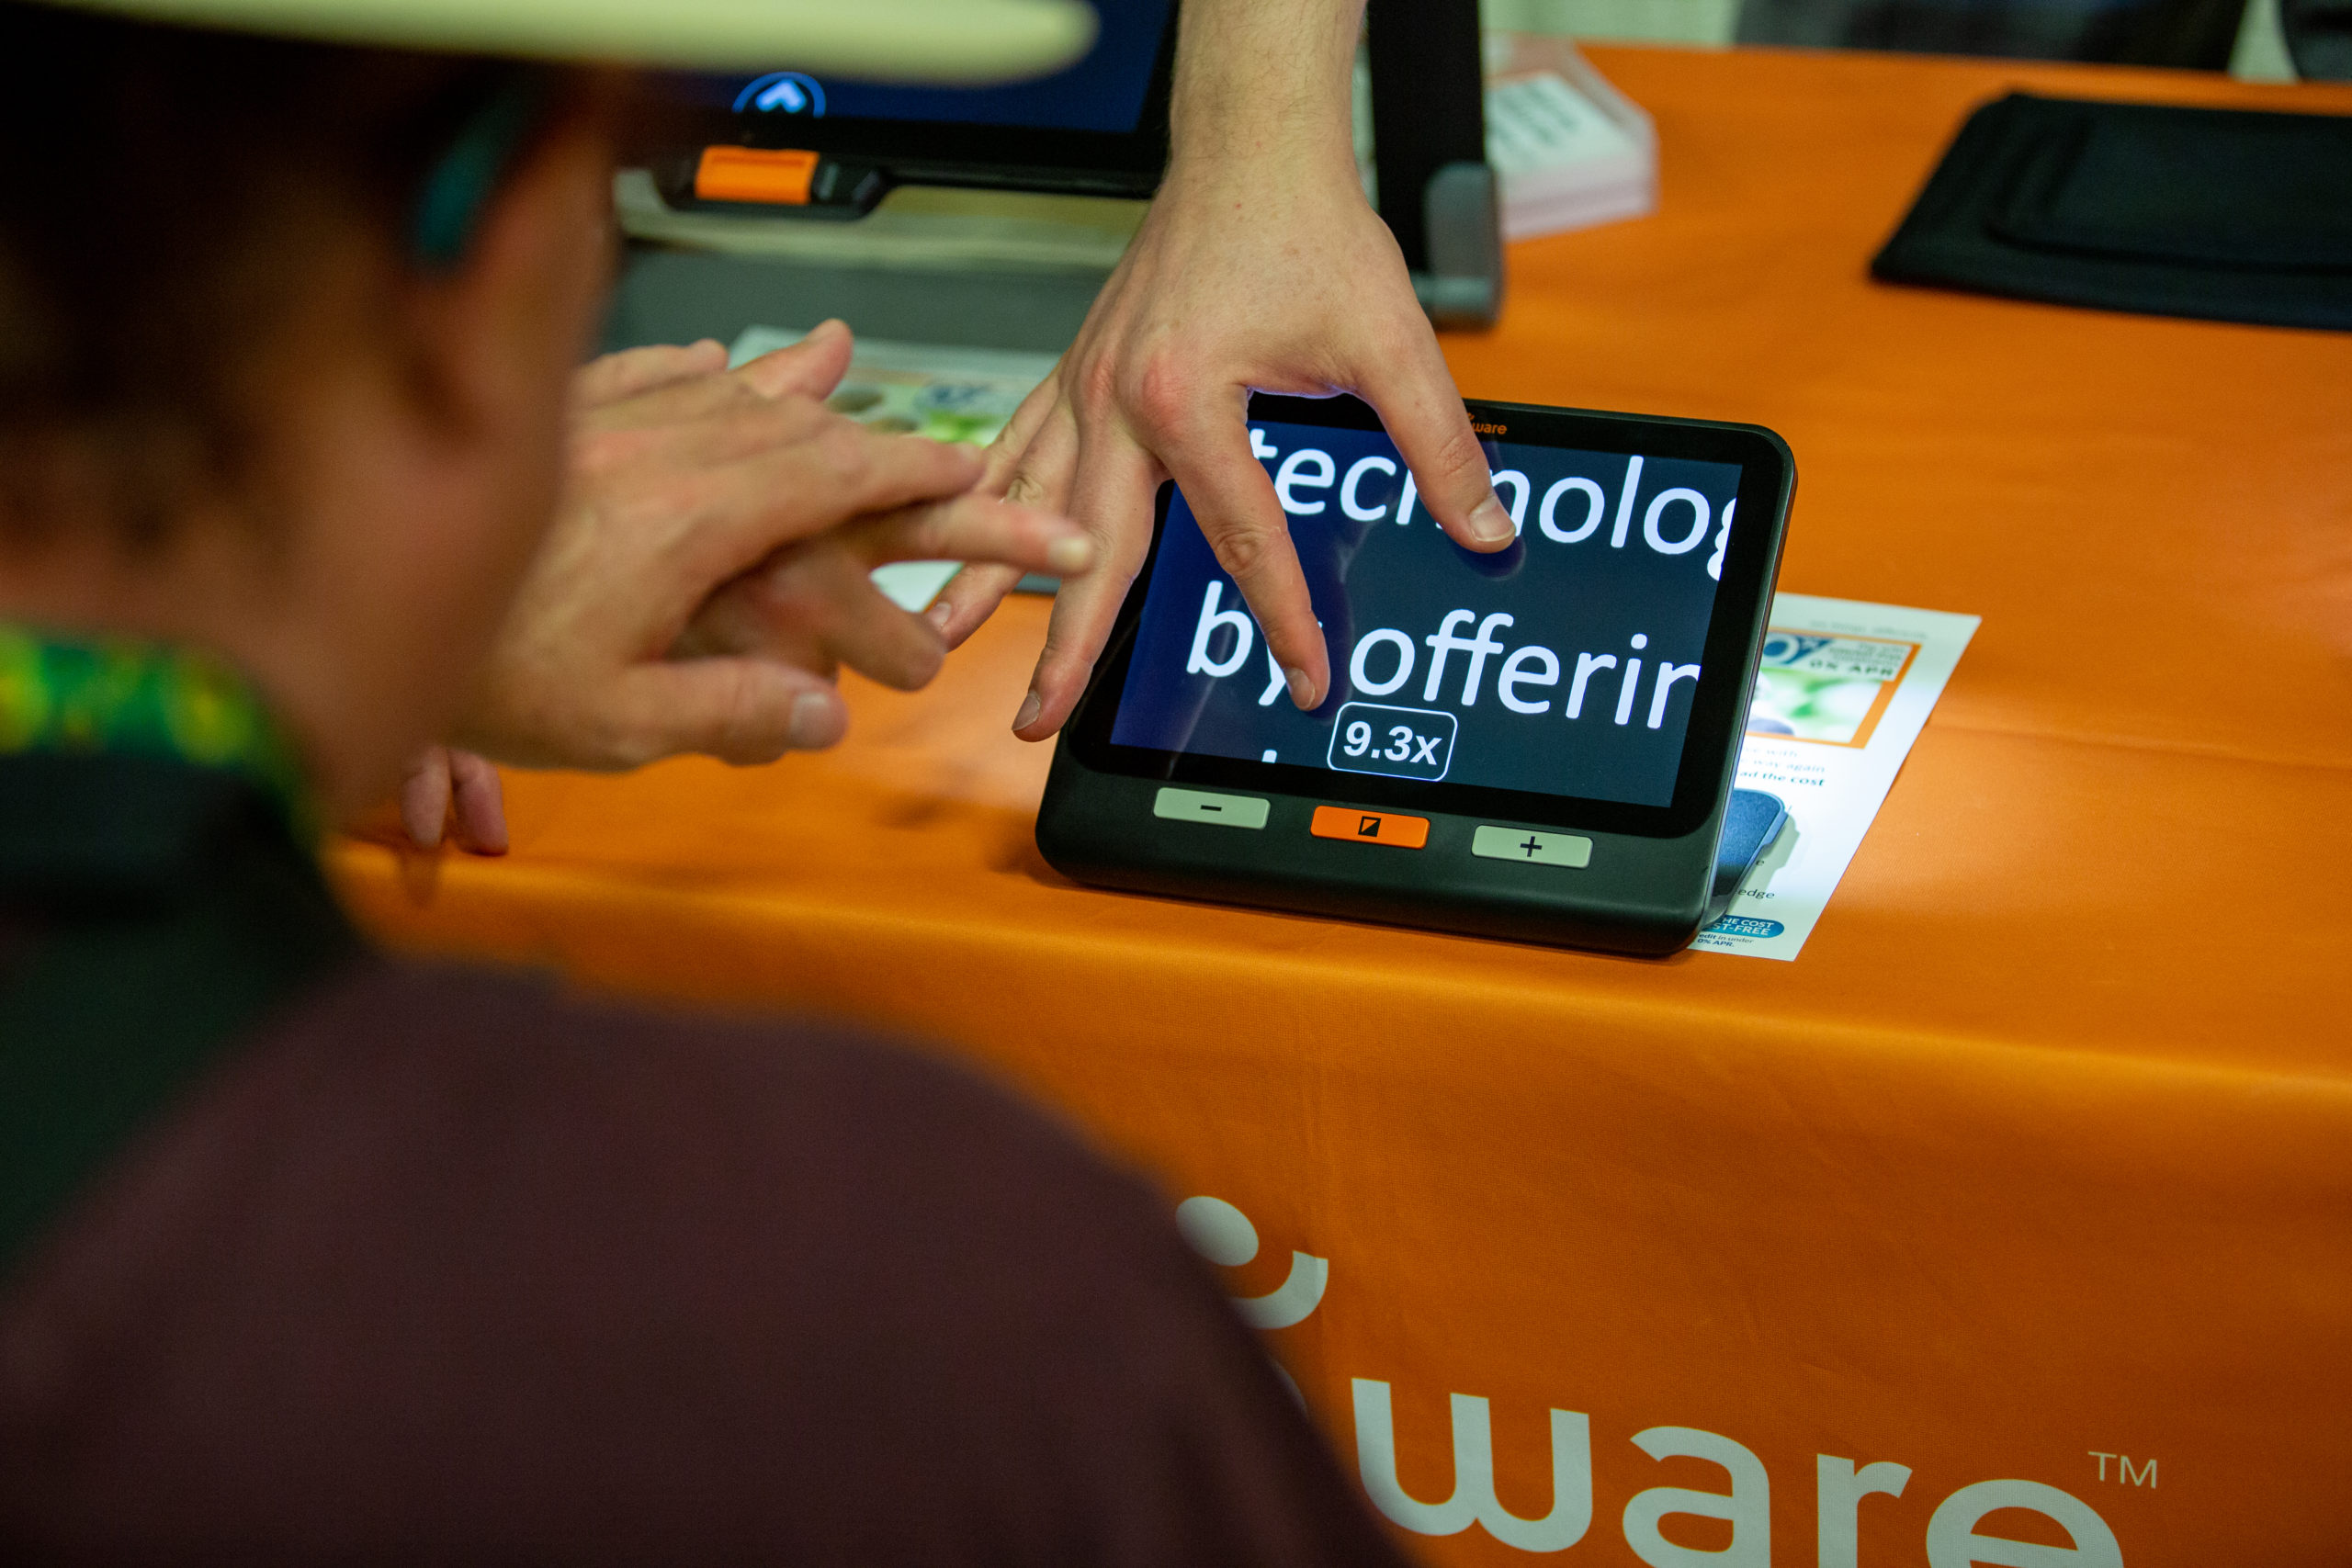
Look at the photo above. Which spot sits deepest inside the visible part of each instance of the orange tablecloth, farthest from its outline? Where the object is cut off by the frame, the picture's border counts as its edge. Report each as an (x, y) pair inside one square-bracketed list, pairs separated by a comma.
[(2041, 1154)]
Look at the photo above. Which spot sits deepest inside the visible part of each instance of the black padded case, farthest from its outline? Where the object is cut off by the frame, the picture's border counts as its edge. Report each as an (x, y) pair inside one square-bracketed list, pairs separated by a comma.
[(2225, 215)]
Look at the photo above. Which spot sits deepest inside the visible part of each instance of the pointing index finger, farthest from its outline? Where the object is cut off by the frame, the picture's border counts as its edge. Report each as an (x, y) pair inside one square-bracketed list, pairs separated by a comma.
[(1423, 410)]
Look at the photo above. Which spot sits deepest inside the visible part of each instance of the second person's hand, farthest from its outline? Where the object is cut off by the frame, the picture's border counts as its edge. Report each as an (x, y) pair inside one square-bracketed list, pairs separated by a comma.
[(1260, 265)]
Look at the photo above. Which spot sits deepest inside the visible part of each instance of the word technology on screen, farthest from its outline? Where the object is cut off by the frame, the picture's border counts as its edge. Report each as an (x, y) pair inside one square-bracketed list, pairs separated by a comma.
[(1538, 742), (1565, 665)]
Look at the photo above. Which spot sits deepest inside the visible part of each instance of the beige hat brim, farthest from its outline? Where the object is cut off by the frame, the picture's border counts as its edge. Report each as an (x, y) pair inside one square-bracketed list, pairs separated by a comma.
[(967, 41)]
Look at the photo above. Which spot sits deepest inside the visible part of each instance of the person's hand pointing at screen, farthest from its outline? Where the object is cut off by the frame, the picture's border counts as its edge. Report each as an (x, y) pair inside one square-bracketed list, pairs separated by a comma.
[(1260, 265)]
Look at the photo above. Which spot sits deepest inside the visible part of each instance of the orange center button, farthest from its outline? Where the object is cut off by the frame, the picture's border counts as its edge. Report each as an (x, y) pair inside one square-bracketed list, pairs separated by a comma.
[(1370, 827), (753, 173)]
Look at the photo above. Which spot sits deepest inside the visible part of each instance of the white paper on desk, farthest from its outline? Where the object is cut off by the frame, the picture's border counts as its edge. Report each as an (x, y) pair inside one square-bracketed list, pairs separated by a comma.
[(1844, 690), (947, 393), (1570, 150)]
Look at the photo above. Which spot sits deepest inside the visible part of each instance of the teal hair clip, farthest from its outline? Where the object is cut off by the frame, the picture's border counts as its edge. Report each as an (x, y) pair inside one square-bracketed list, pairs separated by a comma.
[(458, 192)]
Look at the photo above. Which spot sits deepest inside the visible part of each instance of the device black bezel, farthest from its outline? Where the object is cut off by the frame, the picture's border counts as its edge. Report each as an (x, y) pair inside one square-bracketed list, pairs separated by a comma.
[(1743, 600), (954, 152)]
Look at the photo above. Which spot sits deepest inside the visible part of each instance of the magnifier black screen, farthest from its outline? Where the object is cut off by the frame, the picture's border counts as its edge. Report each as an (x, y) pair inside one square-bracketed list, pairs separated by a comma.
[(1564, 666)]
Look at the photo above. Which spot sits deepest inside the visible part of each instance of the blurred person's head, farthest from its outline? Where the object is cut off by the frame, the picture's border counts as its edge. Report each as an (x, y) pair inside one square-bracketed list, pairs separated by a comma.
[(285, 335)]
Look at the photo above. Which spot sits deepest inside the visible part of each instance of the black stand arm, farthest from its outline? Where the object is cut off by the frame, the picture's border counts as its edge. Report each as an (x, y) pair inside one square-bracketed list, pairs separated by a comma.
[(1429, 133)]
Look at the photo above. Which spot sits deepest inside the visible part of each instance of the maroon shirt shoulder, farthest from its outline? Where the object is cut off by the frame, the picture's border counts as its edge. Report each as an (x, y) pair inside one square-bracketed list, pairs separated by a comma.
[(447, 1266)]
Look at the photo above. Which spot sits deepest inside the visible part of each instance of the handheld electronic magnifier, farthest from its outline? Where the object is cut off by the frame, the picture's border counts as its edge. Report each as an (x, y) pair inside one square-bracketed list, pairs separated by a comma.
[(1537, 744)]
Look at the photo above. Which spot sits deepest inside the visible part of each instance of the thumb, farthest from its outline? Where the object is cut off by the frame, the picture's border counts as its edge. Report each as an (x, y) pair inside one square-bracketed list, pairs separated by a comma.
[(740, 710), (1422, 412), (811, 368)]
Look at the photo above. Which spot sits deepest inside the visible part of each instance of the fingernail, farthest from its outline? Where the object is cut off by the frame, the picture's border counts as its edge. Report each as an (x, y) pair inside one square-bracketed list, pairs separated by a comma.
[(1071, 556), (1302, 687), (812, 720), (1031, 706), (939, 614), (1489, 524)]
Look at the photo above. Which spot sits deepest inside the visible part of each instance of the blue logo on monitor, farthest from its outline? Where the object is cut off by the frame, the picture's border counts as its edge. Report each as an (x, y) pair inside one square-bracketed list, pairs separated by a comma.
[(783, 92)]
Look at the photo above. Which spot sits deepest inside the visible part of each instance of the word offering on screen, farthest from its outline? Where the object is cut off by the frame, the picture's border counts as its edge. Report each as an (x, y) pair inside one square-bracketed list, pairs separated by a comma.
[(1565, 665)]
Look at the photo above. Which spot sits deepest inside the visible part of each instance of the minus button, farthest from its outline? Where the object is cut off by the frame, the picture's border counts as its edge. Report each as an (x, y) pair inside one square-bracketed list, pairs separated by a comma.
[(1218, 810)]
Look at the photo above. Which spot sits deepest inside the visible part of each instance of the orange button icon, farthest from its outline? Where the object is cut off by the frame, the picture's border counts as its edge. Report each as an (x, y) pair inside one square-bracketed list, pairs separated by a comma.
[(1370, 827), (752, 174)]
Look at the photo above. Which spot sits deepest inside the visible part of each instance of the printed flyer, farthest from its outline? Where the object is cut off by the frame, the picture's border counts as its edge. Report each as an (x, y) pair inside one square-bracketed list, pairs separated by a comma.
[(1843, 690)]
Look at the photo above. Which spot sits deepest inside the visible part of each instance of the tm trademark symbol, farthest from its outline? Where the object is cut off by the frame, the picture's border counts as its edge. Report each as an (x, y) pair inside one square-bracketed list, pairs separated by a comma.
[(2125, 1470)]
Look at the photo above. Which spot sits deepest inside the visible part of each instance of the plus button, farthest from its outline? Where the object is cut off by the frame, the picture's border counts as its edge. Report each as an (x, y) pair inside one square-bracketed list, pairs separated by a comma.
[(1532, 844)]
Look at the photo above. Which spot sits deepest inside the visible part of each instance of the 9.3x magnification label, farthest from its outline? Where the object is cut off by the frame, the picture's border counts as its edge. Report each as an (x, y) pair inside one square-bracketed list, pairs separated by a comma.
[(1405, 743)]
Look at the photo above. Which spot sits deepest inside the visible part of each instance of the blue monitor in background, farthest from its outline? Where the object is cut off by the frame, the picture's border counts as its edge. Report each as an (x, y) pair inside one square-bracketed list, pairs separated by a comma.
[(831, 147), (1105, 91), (1097, 126)]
